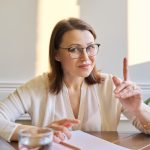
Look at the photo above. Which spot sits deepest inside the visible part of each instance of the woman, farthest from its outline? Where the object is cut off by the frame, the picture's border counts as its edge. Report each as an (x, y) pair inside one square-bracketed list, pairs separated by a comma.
[(73, 95)]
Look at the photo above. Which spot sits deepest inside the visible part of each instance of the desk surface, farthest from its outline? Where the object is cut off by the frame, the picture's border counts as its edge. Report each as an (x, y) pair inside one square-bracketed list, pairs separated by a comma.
[(130, 140)]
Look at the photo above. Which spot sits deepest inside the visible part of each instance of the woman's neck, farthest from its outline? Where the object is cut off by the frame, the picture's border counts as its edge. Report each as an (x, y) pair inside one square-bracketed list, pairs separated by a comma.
[(73, 84)]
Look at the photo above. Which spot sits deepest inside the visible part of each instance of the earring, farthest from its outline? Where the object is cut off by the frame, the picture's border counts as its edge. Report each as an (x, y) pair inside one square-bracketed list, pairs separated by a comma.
[(57, 59)]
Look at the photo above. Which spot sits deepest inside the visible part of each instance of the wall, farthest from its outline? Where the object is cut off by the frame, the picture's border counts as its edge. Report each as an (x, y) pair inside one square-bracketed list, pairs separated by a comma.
[(21, 33), (117, 30), (17, 40), (109, 18)]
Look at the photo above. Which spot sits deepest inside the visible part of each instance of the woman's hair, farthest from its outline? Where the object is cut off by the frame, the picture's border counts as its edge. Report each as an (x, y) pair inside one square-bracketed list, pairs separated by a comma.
[(56, 74)]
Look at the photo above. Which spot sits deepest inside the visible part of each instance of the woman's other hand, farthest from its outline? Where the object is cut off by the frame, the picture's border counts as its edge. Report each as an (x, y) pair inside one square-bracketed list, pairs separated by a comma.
[(128, 92), (61, 128)]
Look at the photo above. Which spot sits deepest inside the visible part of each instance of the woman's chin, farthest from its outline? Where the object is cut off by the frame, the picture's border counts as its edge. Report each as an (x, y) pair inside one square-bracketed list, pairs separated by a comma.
[(85, 74)]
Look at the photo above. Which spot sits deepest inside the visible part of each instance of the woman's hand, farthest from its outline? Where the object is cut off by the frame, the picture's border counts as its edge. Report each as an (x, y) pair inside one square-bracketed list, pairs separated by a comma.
[(61, 128), (128, 92)]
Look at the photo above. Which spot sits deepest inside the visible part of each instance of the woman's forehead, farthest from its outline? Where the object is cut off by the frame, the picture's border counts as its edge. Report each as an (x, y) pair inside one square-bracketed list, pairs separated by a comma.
[(77, 37)]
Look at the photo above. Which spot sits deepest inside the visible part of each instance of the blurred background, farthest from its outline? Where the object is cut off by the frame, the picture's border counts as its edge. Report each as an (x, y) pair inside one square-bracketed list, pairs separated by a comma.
[(122, 28)]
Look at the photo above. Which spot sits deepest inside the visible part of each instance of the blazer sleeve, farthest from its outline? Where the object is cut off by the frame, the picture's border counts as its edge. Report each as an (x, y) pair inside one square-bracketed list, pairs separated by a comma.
[(11, 108), (135, 120), (16, 104), (20, 102)]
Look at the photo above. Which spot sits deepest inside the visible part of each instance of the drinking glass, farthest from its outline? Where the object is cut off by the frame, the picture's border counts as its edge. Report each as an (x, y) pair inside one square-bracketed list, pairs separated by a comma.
[(35, 139)]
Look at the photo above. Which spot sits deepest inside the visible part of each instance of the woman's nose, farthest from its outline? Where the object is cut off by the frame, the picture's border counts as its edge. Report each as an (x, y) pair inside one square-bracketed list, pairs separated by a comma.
[(84, 55)]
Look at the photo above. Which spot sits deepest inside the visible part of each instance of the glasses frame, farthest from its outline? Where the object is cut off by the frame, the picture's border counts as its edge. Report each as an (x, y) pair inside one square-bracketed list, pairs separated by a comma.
[(68, 49)]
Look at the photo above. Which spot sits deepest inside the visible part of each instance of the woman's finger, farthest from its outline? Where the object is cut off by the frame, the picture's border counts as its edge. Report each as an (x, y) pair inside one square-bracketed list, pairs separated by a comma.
[(125, 69), (129, 91), (116, 81), (62, 129), (130, 94), (60, 135), (67, 121), (56, 139), (122, 86)]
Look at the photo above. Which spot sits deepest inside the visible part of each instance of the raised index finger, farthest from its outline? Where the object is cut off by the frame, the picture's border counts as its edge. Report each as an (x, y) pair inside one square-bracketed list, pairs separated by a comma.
[(125, 69), (67, 121)]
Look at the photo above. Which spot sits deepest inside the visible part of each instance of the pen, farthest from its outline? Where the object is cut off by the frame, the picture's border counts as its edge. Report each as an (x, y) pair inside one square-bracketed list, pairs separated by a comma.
[(125, 69), (70, 146)]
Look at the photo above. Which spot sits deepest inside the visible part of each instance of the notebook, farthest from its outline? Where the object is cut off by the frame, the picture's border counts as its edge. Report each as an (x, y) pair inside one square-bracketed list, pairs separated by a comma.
[(85, 141)]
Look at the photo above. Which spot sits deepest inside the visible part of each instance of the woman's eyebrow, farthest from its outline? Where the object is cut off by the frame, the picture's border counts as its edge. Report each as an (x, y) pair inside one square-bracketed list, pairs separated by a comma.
[(76, 44)]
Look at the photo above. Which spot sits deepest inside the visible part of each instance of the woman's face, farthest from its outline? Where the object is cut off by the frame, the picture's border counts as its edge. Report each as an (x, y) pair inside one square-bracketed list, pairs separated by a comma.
[(76, 67)]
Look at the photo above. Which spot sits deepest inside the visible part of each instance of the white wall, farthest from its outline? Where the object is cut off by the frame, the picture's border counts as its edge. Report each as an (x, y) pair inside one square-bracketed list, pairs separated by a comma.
[(18, 38), (112, 21), (109, 18)]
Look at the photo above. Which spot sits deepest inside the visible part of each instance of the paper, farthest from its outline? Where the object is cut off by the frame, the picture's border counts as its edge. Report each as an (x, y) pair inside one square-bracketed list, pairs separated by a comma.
[(85, 141), (56, 146)]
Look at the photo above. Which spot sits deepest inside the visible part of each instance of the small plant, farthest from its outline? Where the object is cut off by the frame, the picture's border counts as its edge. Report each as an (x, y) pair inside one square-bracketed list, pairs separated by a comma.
[(147, 101)]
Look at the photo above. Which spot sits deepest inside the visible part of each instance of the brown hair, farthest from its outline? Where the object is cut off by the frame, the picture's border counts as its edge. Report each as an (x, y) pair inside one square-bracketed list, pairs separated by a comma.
[(56, 75)]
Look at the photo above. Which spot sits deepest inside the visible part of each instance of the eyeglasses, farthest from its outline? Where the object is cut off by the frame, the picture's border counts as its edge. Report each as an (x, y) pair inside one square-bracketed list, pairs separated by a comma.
[(76, 50)]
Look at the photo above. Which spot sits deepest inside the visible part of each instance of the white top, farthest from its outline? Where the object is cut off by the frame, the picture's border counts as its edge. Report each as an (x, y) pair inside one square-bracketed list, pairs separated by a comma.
[(99, 110)]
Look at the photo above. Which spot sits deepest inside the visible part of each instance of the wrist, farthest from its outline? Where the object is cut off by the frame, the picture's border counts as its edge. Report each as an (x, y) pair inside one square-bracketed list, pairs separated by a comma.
[(142, 114), (146, 126)]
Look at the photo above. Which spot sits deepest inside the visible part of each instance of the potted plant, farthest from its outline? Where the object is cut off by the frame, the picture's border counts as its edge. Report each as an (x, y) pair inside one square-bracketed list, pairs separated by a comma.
[(147, 101)]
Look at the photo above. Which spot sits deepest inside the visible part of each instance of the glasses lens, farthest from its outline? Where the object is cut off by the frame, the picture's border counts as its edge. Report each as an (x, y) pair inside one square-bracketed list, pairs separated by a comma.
[(75, 52), (91, 50)]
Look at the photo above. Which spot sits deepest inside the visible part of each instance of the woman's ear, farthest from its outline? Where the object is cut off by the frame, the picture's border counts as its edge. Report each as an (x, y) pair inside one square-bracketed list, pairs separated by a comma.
[(57, 56)]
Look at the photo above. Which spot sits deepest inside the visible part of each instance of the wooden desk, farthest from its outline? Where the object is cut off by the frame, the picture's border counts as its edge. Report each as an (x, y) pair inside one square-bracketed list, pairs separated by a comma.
[(130, 140)]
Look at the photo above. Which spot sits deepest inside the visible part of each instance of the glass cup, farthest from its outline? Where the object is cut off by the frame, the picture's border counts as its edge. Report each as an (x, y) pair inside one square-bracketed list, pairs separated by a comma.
[(35, 139)]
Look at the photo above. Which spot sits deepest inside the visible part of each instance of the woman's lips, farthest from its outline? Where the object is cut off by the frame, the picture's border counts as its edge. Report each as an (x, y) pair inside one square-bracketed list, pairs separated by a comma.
[(85, 66)]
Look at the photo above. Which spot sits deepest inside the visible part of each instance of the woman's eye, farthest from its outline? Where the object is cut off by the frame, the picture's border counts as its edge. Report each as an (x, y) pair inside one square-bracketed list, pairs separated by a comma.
[(91, 47), (72, 49)]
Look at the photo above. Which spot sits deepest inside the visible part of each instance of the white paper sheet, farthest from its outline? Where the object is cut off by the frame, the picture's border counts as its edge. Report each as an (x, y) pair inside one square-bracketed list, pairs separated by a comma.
[(56, 146), (85, 141)]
